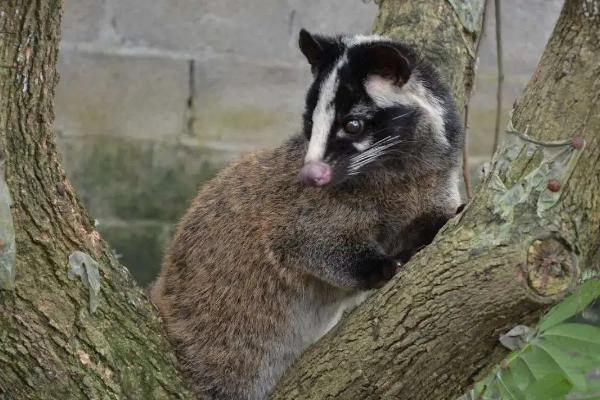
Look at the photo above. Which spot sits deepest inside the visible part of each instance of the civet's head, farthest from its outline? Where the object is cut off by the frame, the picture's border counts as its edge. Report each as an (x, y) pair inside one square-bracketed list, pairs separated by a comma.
[(374, 105)]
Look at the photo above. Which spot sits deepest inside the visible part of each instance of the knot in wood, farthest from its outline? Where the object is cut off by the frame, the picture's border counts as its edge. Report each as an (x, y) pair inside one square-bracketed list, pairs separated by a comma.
[(551, 267)]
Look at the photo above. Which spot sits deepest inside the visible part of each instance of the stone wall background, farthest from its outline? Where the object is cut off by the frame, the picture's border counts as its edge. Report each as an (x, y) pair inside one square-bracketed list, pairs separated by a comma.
[(157, 95)]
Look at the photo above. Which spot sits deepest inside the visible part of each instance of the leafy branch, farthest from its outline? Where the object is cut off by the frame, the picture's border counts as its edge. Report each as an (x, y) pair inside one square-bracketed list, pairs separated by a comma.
[(560, 359)]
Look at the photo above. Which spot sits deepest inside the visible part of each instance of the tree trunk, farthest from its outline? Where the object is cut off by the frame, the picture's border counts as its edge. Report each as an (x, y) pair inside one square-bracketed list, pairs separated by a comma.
[(425, 336), (530, 235), (51, 344)]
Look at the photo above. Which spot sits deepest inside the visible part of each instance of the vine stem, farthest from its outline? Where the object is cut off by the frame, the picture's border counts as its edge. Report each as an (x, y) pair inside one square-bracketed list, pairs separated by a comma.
[(500, 66), (465, 156)]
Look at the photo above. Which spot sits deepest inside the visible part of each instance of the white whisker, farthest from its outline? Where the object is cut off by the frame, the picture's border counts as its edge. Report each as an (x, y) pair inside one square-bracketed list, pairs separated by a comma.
[(381, 145), (365, 161), (374, 153), (400, 116)]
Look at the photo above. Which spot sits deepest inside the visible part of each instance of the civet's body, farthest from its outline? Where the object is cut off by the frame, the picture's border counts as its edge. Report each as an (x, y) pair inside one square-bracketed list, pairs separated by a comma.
[(279, 244)]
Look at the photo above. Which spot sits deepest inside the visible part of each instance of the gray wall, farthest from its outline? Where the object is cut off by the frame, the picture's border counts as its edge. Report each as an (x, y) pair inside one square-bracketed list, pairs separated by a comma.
[(157, 95), (526, 27)]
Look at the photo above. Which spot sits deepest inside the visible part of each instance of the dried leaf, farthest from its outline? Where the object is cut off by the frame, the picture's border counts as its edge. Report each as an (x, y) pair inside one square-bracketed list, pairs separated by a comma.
[(469, 12), (517, 337), (7, 237), (89, 270)]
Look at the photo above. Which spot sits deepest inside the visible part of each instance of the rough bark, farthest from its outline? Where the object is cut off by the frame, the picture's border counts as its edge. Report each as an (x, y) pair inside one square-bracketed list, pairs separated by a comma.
[(527, 238), (425, 336), (51, 344)]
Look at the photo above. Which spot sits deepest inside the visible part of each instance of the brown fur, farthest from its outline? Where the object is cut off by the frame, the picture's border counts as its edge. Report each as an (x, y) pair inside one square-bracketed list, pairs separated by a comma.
[(234, 288)]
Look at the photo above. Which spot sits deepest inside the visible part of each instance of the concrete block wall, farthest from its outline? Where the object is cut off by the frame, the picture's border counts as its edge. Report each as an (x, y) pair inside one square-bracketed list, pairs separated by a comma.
[(526, 27), (157, 95)]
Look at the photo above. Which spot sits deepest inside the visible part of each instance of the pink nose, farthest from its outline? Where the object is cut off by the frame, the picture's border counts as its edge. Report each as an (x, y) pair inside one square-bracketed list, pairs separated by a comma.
[(315, 174)]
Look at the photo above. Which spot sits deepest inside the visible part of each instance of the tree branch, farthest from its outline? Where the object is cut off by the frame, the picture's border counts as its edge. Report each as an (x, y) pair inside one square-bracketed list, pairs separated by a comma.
[(434, 329)]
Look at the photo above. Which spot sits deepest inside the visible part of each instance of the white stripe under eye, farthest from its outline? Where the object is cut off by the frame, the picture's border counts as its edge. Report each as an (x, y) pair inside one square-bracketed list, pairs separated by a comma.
[(362, 146)]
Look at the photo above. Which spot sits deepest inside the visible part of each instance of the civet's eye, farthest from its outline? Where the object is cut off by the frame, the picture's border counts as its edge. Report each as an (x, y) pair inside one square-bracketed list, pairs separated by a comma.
[(354, 126)]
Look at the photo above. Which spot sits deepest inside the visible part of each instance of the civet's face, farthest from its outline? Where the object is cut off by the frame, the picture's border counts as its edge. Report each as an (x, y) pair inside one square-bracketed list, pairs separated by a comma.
[(370, 106)]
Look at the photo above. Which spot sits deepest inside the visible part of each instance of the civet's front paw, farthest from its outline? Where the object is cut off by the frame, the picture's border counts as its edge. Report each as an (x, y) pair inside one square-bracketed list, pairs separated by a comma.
[(377, 272)]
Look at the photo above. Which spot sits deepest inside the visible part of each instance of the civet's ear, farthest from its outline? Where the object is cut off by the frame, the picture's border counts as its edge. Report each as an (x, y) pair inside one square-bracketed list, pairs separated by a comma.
[(312, 46), (388, 62)]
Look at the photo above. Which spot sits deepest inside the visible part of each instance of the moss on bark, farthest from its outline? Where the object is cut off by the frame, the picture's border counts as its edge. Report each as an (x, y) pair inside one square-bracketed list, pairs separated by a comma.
[(51, 345)]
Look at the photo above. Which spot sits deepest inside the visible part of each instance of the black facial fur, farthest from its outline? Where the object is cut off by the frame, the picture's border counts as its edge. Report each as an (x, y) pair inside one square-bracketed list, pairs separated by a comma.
[(405, 122)]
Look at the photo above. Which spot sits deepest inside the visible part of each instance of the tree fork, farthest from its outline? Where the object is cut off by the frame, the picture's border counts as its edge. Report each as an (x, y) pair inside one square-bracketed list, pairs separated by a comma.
[(51, 344), (529, 236), (423, 337)]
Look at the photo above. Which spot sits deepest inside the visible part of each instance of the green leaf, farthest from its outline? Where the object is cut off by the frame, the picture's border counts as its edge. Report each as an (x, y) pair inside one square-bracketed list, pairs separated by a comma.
[(593, 392), (557, 359), (572, 305), (576, 337), (521, 374), (540, 363), (573, 368), (551, 387), (580, 396), (488, 388), (507, 386)]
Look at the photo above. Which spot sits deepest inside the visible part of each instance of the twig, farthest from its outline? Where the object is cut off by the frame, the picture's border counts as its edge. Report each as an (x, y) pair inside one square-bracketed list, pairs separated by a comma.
[(510, 129), (465, 158), (500, 64)]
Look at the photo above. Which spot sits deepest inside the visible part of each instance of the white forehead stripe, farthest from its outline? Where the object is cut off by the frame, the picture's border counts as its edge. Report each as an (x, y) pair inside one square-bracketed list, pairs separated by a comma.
[(324, 114), (412, 93), (351, 41)]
